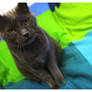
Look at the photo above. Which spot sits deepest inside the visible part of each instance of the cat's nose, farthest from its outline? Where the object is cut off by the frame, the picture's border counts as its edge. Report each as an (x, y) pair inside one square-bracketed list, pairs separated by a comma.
[(25, 33)]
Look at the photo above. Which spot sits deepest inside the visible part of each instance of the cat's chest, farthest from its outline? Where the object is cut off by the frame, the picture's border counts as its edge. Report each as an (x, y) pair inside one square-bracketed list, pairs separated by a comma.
[(30, 54)]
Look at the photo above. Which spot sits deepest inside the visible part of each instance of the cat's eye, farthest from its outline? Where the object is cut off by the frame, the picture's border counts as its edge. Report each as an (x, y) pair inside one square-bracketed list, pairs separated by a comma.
[(27, 21)]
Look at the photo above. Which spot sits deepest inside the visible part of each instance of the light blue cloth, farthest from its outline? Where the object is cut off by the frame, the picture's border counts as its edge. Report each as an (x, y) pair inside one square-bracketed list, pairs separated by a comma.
[(85, 46), (39, 8)]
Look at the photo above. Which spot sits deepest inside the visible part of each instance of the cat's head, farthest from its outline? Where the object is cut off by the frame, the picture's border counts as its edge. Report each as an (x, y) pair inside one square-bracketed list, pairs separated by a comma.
[(18, 25)]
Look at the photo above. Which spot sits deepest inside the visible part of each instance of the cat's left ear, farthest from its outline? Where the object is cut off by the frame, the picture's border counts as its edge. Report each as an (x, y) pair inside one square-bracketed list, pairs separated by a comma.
[(22, 8)]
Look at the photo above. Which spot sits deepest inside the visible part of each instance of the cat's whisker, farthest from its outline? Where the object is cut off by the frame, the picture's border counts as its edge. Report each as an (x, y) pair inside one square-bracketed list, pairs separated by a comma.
[(21, 51), (23, 48), (20, 48), (6, 37), (17, 48)]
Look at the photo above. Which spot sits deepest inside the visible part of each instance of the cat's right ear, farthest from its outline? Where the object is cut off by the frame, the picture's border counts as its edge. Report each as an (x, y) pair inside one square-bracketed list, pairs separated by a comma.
[(22, 9), (3, 22)]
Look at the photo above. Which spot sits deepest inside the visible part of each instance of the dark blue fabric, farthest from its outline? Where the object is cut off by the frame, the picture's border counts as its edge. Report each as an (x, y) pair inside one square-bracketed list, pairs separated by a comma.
[(52, 6)]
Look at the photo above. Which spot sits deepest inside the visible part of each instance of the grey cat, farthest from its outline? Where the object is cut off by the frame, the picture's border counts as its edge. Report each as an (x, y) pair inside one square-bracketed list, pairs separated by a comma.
[(36, 54)]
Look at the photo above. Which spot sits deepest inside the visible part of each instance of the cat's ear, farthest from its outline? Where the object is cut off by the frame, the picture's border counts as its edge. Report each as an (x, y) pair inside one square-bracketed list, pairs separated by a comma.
[(3, 22), (22, 9)]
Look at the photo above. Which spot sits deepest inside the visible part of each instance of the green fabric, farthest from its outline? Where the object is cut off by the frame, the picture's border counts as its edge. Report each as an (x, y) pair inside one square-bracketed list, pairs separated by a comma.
[(75, 19), (8, 70), (50, 25), (69, 22)]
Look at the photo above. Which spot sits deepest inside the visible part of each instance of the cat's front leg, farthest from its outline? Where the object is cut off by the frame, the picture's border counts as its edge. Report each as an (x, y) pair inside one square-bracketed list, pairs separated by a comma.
[(53, 67)]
